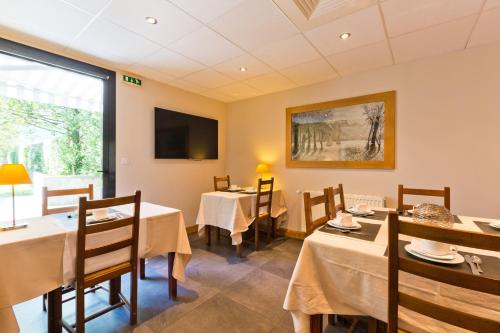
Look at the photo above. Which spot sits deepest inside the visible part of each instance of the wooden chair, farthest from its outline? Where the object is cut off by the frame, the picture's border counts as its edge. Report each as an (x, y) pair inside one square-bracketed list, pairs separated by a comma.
[(444, 193), (225, 180), (217, 180), (113, 273), (340, 207), (327, 200), (441, 274), (46, 194)]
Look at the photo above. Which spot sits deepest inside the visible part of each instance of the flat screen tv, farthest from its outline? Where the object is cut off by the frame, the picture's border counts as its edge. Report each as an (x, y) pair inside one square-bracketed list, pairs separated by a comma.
[(184, 136)]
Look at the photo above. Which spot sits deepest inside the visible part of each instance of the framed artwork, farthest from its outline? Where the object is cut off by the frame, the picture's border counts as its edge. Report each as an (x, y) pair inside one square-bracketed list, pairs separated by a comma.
[(351, 133)]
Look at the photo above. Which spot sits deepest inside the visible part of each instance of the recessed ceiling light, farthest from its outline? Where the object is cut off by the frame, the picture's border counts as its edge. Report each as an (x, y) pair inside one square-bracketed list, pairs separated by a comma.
[(151, 20), (243, 69), (345, 35)]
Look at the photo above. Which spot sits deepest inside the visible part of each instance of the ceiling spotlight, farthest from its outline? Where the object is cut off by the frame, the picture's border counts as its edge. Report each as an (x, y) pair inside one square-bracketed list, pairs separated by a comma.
[(151, 20), (345, 35), (243, 69)]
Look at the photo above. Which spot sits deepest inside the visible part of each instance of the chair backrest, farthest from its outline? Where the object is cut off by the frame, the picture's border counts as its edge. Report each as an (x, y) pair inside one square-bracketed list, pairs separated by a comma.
[(85, 229), (46, 194), (444, 193), (327, 200), (226, 180), (264, 189), (341, 205), (482, 283)]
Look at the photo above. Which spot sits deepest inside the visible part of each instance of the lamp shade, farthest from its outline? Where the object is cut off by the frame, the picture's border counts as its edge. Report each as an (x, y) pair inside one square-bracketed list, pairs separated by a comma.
[(13, 174), (262, 168)]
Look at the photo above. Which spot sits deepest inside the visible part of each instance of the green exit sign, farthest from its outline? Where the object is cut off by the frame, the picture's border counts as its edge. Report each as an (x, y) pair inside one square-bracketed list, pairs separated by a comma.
[(132, 80)]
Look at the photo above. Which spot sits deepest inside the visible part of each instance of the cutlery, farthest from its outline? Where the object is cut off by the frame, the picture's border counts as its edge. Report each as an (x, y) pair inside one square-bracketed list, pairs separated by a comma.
[(478, 262), (352, 232), (473, 267)]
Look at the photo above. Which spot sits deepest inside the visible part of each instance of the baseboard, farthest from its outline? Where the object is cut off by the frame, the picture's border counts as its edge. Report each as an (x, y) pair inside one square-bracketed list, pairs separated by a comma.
[(192, 229), (292, 233)]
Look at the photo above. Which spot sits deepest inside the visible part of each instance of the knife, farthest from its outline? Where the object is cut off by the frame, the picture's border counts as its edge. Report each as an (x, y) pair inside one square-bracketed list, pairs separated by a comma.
[(472, 265)]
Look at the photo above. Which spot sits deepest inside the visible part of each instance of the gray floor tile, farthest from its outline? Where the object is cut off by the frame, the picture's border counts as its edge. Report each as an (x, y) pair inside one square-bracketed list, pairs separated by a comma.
[(282, 264), (261, 292), (221, 315)]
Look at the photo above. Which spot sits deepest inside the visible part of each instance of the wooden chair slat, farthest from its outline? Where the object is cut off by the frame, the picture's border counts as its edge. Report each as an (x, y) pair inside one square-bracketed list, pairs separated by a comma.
[(60, 210), (46, 194), (107, 248), (66, 192), (105, 203), (340, 206), (327, 200), (445, 275), (106, 274), (478, 240), (450, 316), (110, 225), (444, 193)]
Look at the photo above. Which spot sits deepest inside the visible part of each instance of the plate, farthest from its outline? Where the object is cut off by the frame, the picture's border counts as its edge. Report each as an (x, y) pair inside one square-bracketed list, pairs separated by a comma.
[(249, 192), (458, 258), (355, 212), (495, 225), (235, 189), (355, 225)]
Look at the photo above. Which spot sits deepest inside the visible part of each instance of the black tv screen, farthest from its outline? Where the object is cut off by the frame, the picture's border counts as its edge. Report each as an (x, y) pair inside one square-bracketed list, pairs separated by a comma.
[(184, 136)]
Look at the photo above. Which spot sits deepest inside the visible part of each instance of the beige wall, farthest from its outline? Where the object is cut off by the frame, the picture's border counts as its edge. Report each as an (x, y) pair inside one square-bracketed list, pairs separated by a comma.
[(447, 133), (174, 183)]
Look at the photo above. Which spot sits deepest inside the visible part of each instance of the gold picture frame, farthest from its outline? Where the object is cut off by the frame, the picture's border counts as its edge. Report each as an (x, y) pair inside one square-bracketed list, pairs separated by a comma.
[(350, 133)]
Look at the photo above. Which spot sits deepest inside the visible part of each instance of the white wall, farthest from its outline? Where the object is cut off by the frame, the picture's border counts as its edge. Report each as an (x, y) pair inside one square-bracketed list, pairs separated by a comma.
[(447, 133)]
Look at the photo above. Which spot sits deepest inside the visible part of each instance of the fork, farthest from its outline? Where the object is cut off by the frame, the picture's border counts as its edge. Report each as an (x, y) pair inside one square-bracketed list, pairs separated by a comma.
[(478, 262)]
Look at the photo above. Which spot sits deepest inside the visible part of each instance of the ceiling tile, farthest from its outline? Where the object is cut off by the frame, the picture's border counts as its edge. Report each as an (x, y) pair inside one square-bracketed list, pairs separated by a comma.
[(254, 67), (171, 63), (490, 4), (310, 72), (217, 95), (287, 52), (208, 78), (362, 58), (173, 23), (101, 35), (365, 27), (271, 82), (91, 6), (446, 37), (254, 23), (487, 28), (185, 85), (206, 47), (151, 73), (403, 16), (37, 18), (239, 90), (206, 10)]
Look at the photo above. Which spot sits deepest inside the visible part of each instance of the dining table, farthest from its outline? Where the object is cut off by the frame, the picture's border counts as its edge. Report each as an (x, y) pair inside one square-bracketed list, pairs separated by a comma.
[(347, 274), (41, 258), (233, 211)]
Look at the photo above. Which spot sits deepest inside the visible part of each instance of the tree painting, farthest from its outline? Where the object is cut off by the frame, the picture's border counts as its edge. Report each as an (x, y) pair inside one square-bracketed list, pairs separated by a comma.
[(348, 133)]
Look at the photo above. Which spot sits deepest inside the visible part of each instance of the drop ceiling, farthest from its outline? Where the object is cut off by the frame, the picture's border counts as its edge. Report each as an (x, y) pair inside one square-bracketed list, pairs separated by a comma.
[(201, 45)]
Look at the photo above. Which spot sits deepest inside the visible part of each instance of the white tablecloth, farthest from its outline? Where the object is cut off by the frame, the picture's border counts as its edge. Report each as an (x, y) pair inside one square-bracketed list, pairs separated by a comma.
[(344, 275), (42, 257), (233, 211)]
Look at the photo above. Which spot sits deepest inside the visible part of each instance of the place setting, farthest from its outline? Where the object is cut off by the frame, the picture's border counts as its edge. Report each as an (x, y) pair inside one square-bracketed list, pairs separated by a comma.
[(489, 227), (362, 210), (344, 224)]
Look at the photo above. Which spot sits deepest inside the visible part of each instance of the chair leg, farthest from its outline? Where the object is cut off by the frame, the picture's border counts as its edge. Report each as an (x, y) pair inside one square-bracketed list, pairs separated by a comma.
[(238, 250), (208, 231), (269, 230), (142, 268), (372, 325), (218, 234), (316, 323), (332, 319), (44, 302), (133, 297), (256, 235), (274, 224), (80, 309), (114, 290)]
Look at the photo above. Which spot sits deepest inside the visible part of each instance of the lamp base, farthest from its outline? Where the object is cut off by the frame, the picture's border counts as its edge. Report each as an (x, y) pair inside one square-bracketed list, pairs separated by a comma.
[(13, 227)]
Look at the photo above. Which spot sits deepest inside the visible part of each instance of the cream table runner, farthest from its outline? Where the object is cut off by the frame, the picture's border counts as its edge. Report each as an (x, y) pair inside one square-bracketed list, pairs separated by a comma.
[(343, 275), (233, 211), (42, 257)]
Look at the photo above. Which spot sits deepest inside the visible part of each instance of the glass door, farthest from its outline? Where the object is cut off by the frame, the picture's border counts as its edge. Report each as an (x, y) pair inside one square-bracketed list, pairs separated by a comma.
[(56, 122)]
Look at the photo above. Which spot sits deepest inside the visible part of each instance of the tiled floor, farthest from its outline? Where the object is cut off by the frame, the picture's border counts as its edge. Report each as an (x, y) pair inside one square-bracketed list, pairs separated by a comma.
[(222, 293)]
